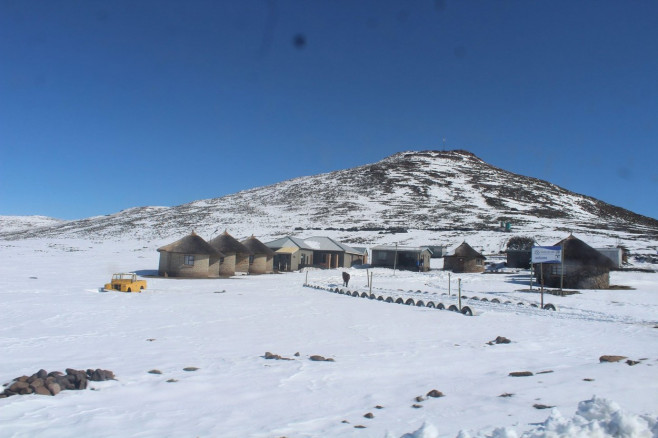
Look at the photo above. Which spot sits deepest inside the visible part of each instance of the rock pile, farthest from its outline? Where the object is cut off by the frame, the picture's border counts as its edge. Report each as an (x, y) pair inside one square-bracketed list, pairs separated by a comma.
[(45, 383)]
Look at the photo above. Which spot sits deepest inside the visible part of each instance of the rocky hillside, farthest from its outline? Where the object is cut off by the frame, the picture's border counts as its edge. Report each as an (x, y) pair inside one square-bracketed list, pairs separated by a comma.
[(428, 190)]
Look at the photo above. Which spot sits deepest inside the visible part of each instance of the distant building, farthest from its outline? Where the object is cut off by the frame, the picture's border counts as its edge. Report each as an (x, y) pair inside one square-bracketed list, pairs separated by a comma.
[(190, 256), (518, 258), (236, 255), (438, 251), (262, 259), (401, 257), (584, 267), (329, 253), (290, 253), (293, 253), (464, 259)]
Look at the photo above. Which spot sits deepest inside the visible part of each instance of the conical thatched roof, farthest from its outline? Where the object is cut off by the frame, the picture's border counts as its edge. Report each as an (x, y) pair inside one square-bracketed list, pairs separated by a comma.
[(191, 244), (577, 251), (257, 247), (465, 250), (229, 245)]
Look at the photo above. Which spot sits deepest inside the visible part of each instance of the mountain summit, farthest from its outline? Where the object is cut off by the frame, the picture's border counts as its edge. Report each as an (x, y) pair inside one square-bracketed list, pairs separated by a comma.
[(426, 190)]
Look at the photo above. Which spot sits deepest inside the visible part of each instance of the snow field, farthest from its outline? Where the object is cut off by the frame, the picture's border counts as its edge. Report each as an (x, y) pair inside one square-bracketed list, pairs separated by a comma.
[(385, 354)]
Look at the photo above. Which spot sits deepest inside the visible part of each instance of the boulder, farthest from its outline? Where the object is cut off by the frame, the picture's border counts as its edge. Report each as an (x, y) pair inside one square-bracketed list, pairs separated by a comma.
[(54, 388), (611, 358)]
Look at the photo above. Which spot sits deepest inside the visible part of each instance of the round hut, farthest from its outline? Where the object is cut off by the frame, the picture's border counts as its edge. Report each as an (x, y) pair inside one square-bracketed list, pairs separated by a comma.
[(262, 259), (465, 259), (190, 256), (236, 254), (584, 267)]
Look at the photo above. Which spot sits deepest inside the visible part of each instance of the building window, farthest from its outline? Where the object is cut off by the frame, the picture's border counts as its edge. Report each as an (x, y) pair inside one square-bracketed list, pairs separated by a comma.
[(478, 262), (189, 260), (381, 255)]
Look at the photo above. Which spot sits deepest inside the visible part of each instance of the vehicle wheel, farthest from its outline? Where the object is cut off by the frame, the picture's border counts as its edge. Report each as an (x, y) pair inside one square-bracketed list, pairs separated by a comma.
[(141, 288), (130, 290)]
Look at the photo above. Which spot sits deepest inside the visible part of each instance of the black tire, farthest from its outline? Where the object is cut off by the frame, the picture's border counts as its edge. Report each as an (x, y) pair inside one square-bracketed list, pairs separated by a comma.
[(484, 300), (467, 311), (453, 308), (364, 295), (440, 306), (495, 300), (380, 298), (355, 294), (410, 302), (372, 297), (549, 306), (420, 303), (430, 305), (533, 305), (389, 300), (399, 301)]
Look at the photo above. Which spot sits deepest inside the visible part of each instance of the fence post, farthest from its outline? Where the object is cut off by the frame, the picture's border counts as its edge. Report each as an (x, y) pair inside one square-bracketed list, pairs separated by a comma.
[(370, 293), (306, 281), (449, 284), (459, 283)]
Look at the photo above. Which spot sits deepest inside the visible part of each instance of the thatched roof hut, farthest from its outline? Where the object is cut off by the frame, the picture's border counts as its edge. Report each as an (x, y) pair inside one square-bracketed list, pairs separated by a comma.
[(237, 255), (464, 259), (262, 259), (190, 256), (584, 267)]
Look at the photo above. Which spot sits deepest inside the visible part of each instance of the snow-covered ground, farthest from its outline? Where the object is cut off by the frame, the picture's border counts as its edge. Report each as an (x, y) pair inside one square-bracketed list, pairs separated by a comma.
[(385, 355)]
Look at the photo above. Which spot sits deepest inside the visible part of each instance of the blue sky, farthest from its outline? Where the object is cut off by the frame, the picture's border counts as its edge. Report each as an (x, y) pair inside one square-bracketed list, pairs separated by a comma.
[(106, 105)]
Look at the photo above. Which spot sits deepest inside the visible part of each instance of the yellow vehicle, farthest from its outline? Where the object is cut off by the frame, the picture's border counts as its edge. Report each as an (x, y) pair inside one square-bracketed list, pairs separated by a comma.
[(127, 282)]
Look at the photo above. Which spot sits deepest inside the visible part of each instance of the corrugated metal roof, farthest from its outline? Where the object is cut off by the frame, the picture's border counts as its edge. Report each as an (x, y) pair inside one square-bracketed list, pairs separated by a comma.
[(401, 248), (317, 243)]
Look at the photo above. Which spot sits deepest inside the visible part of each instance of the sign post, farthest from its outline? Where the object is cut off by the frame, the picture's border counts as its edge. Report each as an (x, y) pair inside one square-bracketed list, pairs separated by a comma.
[(548, 254)]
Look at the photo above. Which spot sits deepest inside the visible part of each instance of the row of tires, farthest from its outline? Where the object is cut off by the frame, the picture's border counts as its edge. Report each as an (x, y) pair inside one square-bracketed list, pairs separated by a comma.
[(399, 300), (421, 303)]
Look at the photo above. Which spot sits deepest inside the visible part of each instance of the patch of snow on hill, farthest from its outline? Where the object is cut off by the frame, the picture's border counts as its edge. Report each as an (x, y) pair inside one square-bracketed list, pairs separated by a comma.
[(10, 224)]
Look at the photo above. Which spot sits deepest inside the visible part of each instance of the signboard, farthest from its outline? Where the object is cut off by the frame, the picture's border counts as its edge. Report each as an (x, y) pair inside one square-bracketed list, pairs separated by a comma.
[(546, 254)]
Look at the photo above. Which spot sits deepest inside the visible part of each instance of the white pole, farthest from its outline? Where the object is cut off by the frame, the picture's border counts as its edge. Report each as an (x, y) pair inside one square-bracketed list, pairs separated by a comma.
[(395, 260), (459, 283)]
